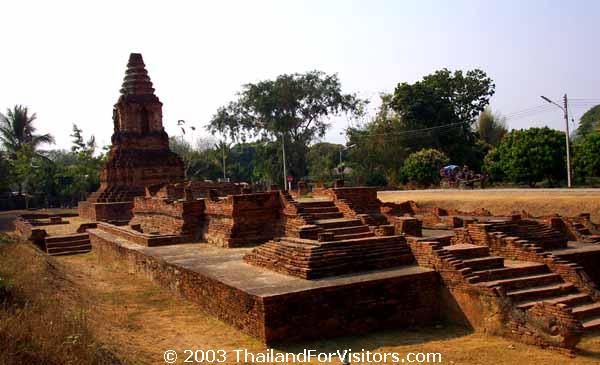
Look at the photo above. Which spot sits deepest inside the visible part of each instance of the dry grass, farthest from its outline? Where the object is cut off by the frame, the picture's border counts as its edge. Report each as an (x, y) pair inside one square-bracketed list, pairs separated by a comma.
[(137, 321), (499, 202), (42, 321)]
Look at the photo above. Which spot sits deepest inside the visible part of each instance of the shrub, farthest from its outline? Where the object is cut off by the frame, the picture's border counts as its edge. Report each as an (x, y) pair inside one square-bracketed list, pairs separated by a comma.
[(422, 167)]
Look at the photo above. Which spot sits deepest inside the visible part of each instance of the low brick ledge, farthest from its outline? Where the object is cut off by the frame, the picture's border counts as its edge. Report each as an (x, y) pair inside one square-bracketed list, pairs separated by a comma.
[(274, 307)]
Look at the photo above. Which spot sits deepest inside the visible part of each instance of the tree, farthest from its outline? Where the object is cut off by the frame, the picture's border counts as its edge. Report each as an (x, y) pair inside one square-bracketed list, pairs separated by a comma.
[(589, 122), (293, 108), (446, 104), (323, 158), (585, 159), (530, 156), (423, 167), (380, 146), (491, 127), (17, 130), (17, 134)]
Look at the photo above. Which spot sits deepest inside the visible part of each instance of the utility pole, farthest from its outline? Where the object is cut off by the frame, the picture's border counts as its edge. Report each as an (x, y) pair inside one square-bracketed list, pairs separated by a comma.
[(224, 168), (283, 152), (566, 110), (567, 138)]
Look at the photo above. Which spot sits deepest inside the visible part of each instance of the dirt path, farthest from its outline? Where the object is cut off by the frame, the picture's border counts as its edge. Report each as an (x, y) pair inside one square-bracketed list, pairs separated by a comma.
[(139, 320)]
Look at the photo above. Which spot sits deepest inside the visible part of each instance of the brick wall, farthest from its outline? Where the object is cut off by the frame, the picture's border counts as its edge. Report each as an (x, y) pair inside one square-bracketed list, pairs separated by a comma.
[(105, 211), (351, 309), (164, 216), (243, 311), (242, 220), (310, 314)]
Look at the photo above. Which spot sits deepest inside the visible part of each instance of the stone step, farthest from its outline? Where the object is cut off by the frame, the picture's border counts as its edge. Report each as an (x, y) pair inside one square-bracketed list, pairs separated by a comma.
[(568, 299), (312, 210), (67, 243), (67, 238), (489, 262), (544, 292), (349, 230), (467, 251), (329, 215), (591, 324), (69, 250), (587, 310), (302, 254), (338, 223), (330, 261), (316, 203), (353, 235), (525, 281), (509, 272)]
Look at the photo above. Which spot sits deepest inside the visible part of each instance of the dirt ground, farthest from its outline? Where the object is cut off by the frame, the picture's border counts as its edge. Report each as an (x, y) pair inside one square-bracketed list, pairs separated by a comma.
[(504, 201), (138, 320)]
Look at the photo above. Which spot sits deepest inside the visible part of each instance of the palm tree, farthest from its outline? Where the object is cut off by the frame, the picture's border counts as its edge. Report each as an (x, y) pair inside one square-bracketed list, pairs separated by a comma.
[(17, 130), (19, 141)]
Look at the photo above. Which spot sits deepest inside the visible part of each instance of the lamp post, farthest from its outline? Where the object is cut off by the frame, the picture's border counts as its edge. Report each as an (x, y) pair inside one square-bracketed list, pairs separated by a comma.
[(568, 143), (341, 162)]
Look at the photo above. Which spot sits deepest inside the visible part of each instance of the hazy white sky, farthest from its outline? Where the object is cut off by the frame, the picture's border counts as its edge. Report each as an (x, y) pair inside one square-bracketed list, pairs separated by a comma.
[(66, 60)]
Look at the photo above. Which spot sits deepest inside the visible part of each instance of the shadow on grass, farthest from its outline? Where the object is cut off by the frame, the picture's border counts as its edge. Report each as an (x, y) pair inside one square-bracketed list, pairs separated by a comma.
[(375, 340)]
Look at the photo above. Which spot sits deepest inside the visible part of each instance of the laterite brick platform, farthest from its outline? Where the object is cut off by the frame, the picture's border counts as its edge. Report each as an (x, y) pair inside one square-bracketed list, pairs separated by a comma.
[(275, 307)]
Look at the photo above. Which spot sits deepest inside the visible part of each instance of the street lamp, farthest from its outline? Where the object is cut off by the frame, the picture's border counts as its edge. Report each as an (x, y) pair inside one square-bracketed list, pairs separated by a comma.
[(566, 114), (341, 166)]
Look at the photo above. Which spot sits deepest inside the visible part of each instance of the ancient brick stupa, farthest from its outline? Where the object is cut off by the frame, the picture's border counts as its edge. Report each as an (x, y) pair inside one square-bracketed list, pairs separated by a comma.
[(139, 155)]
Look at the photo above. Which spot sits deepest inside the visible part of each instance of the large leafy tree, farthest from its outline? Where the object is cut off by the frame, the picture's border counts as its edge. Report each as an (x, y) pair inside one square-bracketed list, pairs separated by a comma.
[(585, 158), (324, 160), (446, 104), (380, 146), (529, 156), (294, 109), (589, 122)]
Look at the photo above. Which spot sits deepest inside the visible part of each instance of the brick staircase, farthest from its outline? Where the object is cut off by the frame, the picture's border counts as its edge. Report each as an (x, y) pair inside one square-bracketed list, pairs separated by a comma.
[(583, 232), (344, 245), (525, 283), (310, 259), (531, 230), (325, 215), (68, 244)]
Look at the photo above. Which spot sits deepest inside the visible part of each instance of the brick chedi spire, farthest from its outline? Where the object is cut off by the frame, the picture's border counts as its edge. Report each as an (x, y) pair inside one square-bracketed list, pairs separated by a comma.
[(137, 81), (140, 154)]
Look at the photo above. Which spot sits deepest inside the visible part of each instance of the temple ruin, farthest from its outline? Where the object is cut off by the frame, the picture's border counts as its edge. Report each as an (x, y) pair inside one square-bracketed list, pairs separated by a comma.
[(306, 264), (139, 155)]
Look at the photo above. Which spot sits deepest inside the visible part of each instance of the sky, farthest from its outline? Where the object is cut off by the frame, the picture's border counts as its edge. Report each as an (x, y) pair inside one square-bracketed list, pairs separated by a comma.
[(66, 60)]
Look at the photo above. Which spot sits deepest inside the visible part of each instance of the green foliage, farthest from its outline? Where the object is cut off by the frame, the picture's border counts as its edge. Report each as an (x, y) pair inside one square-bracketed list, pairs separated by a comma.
[(586, 161), (422, 167), (201, 162), (444, 99), (589, 122), (323, 161), (17, 130), (294, 107), (491, 127), (380, 145), (529, 156)]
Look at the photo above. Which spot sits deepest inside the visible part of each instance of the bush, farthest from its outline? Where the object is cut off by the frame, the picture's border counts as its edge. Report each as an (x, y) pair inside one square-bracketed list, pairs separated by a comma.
[(422, 167), (529, 156)]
